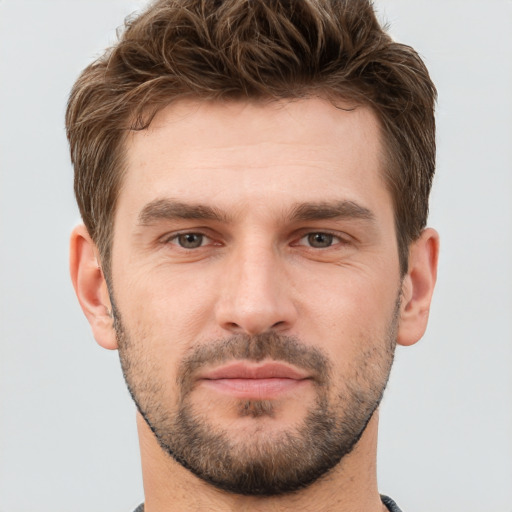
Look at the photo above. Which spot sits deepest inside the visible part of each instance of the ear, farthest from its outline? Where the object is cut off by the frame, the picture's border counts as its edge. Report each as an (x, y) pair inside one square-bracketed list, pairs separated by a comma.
[(418, 286), (91, 287)]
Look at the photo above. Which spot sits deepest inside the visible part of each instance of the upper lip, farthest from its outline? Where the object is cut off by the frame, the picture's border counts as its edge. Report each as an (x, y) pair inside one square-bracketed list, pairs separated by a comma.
[(251, 370)]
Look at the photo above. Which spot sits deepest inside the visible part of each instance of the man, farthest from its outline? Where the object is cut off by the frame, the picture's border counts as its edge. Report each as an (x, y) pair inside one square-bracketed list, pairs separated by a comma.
[(253, 177)]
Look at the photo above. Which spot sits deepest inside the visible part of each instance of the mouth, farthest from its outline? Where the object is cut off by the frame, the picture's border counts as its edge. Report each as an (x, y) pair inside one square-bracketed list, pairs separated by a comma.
[(254, 381)]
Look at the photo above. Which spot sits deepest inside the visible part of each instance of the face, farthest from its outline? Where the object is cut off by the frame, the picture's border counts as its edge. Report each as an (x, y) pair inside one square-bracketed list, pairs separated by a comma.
[(255, 285)]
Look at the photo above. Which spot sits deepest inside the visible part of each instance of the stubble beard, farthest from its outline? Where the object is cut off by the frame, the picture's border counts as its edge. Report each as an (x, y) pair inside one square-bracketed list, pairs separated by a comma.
[(263, 465)]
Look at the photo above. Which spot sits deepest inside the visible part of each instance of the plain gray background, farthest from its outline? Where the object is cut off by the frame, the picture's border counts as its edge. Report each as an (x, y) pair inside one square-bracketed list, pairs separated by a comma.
[(67, 431)]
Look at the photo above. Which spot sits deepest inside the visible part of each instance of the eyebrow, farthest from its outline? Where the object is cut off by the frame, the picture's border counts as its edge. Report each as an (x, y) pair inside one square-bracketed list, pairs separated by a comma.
[(169, 209), (331, 210)]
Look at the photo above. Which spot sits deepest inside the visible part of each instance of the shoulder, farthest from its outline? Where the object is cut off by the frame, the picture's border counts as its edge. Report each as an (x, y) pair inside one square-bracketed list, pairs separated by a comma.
[(390, 504)]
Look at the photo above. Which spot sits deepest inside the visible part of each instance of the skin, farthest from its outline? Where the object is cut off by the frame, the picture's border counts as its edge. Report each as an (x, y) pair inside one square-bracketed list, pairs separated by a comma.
[(256, 271)]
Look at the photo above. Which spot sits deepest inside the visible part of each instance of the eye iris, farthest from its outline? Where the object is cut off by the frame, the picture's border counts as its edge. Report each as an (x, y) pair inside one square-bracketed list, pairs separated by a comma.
[(320, 240), (190, 240)]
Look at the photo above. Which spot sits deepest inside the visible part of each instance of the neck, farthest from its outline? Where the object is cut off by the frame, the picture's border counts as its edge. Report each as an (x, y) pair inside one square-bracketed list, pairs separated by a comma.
[(349, 487)]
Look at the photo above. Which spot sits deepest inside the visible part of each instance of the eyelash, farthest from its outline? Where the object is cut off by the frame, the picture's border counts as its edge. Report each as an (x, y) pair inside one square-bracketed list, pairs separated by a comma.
[(332, 238), (174, 239)]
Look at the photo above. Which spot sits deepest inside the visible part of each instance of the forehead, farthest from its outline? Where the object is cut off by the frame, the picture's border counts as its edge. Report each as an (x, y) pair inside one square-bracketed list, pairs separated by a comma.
[(256, 151)]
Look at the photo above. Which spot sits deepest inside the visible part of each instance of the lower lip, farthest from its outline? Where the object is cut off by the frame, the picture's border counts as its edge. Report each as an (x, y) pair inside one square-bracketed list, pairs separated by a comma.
[(255, 389)]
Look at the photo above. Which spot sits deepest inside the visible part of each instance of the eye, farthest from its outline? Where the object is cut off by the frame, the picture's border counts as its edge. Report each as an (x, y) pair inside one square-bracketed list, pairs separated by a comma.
[(319, 240), (189, 240)]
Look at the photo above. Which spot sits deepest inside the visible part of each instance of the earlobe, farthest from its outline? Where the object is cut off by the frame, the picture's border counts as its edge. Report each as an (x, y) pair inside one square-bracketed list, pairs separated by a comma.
[(418, 287), (91, 287)]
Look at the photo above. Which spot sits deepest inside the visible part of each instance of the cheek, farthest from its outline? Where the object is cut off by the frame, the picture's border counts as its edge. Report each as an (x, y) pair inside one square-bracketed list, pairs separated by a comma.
[(350, 315), (168, 311)]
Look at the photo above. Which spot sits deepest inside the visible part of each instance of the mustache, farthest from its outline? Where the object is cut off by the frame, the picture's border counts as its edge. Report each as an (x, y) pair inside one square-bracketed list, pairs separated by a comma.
[(269, 345)]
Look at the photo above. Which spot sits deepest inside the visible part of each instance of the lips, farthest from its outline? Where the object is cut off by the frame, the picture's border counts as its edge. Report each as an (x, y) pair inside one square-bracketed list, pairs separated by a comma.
[(246, 370), (257, 381)]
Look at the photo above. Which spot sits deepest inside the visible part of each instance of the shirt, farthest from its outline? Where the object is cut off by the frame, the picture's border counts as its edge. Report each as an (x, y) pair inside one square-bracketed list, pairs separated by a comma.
[(390, 504)]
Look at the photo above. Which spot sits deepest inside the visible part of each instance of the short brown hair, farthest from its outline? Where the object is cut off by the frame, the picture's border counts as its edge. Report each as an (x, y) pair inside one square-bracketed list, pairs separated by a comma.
[(235, 49)]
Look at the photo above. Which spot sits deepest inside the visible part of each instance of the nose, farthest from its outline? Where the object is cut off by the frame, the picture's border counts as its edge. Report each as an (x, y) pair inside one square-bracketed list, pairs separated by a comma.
[(256, 293)]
